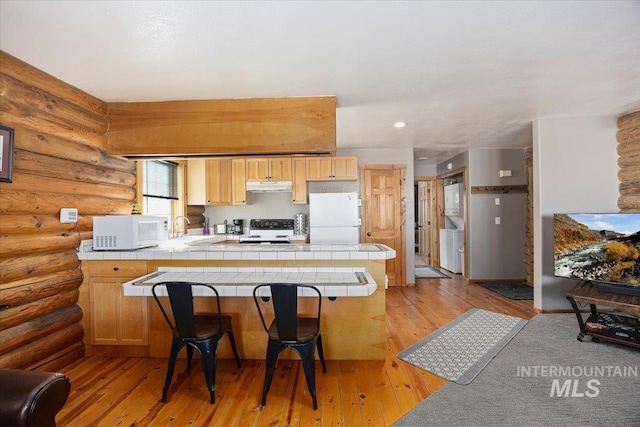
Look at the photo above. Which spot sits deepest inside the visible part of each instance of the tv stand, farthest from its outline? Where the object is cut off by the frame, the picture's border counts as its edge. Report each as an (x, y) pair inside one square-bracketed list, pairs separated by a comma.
[(624, 330)]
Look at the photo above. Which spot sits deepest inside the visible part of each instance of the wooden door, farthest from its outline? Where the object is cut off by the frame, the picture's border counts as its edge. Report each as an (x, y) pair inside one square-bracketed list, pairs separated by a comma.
[(384, 214), (424, 219)]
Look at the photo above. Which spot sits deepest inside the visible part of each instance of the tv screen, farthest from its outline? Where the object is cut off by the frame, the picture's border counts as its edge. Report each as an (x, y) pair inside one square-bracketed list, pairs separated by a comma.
[(601, 248)]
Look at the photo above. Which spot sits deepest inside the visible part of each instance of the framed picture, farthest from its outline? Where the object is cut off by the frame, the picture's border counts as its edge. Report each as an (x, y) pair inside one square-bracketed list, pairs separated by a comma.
[(6, 153)]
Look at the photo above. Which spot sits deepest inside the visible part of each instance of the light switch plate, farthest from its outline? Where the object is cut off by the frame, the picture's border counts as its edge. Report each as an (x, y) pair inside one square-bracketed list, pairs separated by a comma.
[(497, 220)]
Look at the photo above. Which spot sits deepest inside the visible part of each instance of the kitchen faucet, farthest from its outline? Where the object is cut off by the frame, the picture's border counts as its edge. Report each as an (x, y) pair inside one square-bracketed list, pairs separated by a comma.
[(173, 224)]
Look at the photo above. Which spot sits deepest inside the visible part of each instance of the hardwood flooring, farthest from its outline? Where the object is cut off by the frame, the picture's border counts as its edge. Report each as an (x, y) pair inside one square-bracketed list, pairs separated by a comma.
[(117, 391)]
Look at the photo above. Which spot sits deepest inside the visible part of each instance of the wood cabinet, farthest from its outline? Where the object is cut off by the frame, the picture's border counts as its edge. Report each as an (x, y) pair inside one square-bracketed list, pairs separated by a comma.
[(238, 182), (299, 184), (332, 168), (218, 178), (269, 169), (114, 318), (209, 182)]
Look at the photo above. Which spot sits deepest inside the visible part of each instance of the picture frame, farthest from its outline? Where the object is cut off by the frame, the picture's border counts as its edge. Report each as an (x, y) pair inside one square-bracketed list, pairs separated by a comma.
[(6, 154)]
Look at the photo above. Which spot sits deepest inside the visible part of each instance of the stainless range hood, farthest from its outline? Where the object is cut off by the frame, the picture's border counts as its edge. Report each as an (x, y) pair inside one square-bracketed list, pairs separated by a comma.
[(269, 186)]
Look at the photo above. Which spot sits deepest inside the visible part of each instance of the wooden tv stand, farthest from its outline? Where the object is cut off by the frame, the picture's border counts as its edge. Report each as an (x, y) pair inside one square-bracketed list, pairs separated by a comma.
[(587, 292)]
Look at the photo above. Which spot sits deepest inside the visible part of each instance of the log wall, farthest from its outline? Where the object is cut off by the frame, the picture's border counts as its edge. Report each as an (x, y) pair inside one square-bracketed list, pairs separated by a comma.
[(59, 160), (628, 138)]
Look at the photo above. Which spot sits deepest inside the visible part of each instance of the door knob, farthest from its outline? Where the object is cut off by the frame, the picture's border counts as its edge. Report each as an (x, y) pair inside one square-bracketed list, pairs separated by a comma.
[(369, 234)]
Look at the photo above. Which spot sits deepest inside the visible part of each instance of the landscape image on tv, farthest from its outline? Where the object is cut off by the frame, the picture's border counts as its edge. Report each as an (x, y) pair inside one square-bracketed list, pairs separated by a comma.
[(602, 248)]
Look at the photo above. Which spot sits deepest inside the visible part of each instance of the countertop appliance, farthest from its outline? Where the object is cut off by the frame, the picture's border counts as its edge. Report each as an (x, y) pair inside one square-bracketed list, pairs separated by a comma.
[(221, 228), (128, 232), (269, 231), (334, 218), (238, 226)]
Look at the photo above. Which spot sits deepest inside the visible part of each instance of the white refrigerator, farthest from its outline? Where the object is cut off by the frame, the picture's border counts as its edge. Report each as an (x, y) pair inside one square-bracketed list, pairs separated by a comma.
[(334, 218)]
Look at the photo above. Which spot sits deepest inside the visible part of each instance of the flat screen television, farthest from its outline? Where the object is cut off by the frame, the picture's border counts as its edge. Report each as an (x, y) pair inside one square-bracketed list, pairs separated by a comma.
[(601, 248)]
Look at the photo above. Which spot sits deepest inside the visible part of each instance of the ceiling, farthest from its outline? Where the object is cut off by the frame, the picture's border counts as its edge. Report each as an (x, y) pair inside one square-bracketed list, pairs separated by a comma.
[(460, 74)]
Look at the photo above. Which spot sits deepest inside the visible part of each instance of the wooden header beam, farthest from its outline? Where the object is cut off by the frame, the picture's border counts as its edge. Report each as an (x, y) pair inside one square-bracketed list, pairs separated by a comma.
[(304, 125)]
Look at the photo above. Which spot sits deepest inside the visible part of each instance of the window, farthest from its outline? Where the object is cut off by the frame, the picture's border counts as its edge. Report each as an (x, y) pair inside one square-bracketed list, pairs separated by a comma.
[(159, 187)]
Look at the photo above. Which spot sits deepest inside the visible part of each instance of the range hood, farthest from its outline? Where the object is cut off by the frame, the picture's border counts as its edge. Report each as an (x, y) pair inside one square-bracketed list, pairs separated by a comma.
[(269, 186)]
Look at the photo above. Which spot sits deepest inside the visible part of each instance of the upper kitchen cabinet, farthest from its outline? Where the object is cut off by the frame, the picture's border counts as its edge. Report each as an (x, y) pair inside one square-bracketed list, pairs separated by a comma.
[(299, 185), (332, 168), (269, 169), (228, 127), (209, 182), (216, 182), (238, 182)]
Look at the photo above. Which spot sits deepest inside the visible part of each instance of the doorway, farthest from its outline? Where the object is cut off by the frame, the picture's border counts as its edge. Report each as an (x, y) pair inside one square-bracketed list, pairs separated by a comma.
[(384, 214), (426, 224)]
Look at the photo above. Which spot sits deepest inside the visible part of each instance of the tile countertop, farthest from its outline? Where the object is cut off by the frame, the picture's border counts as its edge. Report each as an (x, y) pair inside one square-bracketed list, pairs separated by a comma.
[(208, 248), (240, 281)]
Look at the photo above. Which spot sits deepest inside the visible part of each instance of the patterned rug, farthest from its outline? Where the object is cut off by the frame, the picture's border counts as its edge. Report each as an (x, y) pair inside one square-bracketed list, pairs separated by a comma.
[(511, 290), (426, 272), (460, 350)]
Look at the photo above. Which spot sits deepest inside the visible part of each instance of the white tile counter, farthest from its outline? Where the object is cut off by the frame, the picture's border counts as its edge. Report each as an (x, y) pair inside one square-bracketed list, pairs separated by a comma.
[(209, 248), (240, 281)]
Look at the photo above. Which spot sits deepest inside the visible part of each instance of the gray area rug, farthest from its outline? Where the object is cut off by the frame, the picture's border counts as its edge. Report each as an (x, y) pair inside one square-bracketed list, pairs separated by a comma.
[(511, 290), (603, 386), (461, 349), (429, 273)]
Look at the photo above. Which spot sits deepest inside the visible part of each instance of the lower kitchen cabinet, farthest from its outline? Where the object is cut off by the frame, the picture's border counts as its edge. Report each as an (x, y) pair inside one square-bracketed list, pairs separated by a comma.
[(114, 318)]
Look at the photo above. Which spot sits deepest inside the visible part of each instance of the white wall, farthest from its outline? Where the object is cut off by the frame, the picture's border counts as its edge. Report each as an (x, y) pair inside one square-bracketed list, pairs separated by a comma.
[(496, 251), (574, 170)]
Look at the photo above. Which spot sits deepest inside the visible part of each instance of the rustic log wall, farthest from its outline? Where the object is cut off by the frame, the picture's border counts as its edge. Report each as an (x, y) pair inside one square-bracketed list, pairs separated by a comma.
[(59, 161), (628, 138)]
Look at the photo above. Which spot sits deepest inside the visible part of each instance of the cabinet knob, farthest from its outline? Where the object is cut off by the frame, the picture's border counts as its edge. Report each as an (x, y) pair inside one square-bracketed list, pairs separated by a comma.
[(116, 268), (369, 234)]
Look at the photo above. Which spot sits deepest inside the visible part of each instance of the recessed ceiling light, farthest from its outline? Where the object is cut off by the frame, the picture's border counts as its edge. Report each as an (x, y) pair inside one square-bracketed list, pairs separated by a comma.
[(423, 158), (399, 124)]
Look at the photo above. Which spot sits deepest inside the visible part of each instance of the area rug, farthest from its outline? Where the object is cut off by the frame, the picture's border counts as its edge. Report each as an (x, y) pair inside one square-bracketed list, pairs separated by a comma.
[(460, 350), (429, 273), (543, 377), (511, 290)]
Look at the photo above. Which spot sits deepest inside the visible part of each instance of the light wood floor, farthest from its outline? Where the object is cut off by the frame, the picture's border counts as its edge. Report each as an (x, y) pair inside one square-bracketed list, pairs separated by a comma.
[(126, 391)]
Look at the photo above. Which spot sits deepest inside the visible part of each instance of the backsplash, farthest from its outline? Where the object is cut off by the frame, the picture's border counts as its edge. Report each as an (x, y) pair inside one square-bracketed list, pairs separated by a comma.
[(263, 205)]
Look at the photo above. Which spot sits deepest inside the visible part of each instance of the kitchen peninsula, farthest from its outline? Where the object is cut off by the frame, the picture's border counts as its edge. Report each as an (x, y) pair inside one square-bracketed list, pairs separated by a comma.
[(121, 319)]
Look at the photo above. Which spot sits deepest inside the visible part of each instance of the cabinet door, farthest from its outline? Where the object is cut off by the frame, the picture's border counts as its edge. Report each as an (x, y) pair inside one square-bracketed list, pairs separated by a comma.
[(280, 169), (257, 169), (196, 182), (299, 183), (219, 182), (345, 168), (238, 183), (117, 319), (319, 168)]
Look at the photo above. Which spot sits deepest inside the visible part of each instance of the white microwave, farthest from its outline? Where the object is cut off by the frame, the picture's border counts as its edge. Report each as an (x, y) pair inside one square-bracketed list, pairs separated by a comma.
[(128, 232)]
